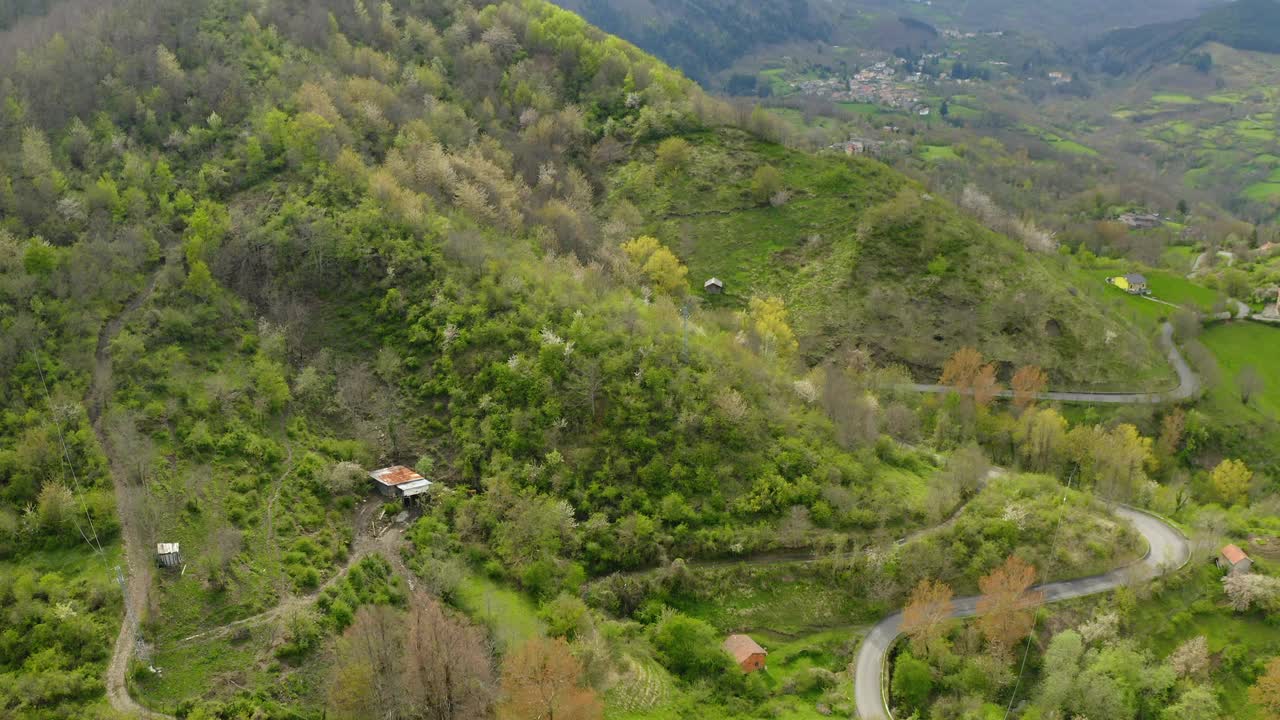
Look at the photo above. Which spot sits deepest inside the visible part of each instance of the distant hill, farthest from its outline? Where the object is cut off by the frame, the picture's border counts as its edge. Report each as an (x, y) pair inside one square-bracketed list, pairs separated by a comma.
[(1244, 25), (864, 258), (1062, 22), (705, 37), (702, 37), (13, 10)]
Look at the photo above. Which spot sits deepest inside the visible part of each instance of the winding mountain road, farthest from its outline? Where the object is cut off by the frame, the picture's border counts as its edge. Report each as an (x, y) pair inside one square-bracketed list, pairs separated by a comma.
[(1169, 550), (1188, 384)]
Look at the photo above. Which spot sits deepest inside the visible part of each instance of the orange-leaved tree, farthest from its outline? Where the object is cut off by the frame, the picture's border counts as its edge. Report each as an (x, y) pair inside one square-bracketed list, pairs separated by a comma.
[(967, 372), (961, 368), (1265, 693), (927, 615), (541, 680), (1006, 609), (1028, 382)]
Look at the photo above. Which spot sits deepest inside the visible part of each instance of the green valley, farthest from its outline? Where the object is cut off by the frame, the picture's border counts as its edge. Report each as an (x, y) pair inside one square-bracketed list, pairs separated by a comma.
[(452, 360)]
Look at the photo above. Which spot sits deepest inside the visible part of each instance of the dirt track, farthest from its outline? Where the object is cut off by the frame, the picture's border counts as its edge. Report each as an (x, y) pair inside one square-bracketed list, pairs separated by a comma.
[(137, 571)]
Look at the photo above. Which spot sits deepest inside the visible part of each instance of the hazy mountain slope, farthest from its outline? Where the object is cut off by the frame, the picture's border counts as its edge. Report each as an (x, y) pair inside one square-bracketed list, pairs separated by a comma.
[(1244, 25), (702, 37), (11, 11), (1061, 22)]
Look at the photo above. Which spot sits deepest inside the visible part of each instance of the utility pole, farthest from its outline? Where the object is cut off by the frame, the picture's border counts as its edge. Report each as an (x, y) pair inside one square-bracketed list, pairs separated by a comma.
[(684, 319)]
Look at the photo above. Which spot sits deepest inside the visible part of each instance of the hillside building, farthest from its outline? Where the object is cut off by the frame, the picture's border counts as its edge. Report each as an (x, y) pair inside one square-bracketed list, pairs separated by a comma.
[(1133, 283), (746, 652), (399, 481), (168, 555), (1233, 560)]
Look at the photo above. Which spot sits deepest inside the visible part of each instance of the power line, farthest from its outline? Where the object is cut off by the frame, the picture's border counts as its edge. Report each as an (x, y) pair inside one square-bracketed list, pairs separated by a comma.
[(95, 543), (1026, 652)]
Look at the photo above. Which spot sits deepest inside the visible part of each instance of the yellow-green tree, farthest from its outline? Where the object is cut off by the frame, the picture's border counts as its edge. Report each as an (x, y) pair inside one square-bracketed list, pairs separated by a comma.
[(767, 317), (1043, 435), (1231, 480), (764, 183), (665, 271), (640, 248), (1122, 459), (673, 154)]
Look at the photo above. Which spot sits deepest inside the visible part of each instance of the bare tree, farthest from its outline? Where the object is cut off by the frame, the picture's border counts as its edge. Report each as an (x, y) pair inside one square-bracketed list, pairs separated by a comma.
[(542, 681), (366, 679), (447, 671), (1250, 383), (428, 666), (587, 384)]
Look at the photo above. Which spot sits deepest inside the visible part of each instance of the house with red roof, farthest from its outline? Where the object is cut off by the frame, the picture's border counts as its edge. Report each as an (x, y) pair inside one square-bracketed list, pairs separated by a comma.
[(399, 481), (746, 652), (1233, 560)]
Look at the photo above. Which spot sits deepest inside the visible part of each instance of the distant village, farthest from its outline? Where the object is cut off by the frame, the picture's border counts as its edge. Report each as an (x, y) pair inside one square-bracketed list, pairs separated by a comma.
[(877, 84)]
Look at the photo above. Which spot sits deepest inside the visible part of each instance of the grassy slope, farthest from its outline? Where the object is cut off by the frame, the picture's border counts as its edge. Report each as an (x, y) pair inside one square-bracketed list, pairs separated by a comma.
[(509, 615), (1196, 606), (853, 270), (1240, 344)]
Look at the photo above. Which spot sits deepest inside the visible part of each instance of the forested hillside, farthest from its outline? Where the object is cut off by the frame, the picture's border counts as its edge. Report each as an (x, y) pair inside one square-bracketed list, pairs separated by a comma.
[(352, 234), (1244, 25), (14, 10), (251, 250)]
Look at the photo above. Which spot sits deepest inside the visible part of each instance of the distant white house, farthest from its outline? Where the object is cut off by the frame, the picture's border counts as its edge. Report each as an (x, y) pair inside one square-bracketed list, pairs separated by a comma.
[(714, 286)]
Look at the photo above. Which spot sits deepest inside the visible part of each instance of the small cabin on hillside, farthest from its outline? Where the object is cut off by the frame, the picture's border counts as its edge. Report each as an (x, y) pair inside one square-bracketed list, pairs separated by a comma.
[(1132, 283), (746, 652), (399, 481), (1141, 221), (168, 555), (714, 286), (1233, 560)]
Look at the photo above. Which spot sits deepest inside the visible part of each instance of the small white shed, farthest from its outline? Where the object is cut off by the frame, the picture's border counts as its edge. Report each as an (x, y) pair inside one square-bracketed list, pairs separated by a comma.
[(168, 555)]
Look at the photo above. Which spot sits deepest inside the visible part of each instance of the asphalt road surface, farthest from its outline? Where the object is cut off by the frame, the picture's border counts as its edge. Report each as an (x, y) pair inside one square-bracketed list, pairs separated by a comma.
[(1169, 551), (1188, 384)]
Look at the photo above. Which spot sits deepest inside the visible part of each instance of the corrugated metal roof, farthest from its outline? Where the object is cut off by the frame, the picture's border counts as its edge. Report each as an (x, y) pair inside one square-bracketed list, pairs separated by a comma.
[(395, 475), (166, 548), (416, 487), (1233, 554), (742, 647)]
